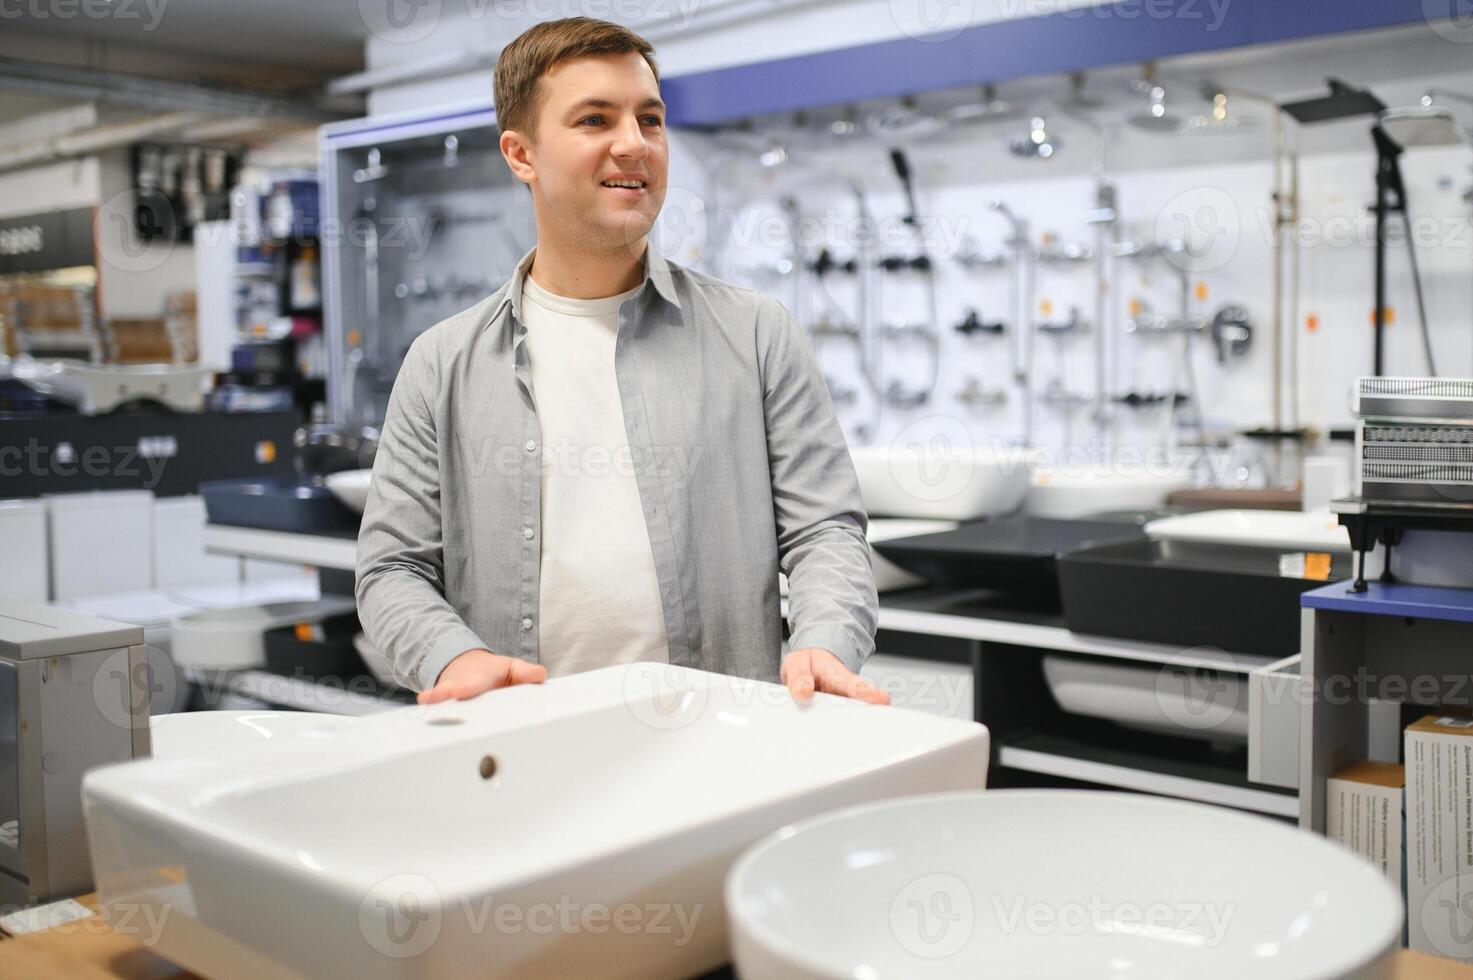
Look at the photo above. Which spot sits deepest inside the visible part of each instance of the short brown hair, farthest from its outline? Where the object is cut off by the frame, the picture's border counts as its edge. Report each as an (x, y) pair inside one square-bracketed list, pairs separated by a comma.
[(541, 48)]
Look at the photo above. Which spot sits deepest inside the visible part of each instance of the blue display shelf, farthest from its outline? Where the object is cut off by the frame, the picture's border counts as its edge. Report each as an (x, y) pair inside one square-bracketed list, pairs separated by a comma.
[(1394, 599), (1073, 39)]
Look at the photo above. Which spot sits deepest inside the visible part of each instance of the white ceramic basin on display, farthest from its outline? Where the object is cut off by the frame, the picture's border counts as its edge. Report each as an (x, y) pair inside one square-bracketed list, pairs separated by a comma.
[(350, 487), (581, 827), (1056, 885), (218, 734), (1166, 698), (1069, 494), (1292, 530), (944, 484)]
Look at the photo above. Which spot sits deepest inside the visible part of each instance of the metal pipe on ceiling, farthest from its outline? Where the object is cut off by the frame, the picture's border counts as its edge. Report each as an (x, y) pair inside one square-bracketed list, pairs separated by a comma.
[(155, 94)]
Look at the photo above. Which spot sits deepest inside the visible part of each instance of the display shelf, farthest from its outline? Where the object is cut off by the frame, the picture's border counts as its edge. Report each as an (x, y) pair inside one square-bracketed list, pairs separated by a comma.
[(333, 550), (1087, 762), (1394, 599)]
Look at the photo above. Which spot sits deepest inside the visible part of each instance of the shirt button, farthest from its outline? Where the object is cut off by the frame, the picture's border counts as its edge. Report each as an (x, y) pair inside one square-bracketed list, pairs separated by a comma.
[(531, 445), (526, 622), (527, 533)]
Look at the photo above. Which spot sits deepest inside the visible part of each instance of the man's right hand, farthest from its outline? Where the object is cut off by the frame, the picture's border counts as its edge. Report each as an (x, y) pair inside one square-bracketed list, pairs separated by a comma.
[(478, 671)]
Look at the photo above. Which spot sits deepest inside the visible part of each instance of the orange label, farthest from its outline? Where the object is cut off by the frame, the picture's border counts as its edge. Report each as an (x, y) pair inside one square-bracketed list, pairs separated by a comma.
[(1201, 292), (1135, 306), (354, 337), (1317, 566), (265, 452), (1312, 322), (1390, 315), (303, 632), (1046, 306)]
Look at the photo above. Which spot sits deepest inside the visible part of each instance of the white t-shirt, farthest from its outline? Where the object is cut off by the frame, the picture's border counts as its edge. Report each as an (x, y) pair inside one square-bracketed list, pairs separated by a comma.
[(599, 596)]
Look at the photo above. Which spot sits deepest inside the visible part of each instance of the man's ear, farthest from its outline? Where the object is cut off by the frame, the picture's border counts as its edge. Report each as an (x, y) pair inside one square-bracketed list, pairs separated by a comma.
[(515, 150)]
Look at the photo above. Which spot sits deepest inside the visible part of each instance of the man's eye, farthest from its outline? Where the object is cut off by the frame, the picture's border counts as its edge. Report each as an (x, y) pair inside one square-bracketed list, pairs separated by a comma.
[(591, 120), (653, 121)]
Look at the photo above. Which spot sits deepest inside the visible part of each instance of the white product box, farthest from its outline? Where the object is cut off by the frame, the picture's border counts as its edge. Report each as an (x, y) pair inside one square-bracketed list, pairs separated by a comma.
[(1439, 775), (26, 571), (179, 556), (1364, 811), (101, 542)]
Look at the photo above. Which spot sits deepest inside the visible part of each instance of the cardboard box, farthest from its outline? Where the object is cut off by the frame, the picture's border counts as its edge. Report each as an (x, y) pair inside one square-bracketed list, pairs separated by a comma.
[(1439, 813), (1364, 807)]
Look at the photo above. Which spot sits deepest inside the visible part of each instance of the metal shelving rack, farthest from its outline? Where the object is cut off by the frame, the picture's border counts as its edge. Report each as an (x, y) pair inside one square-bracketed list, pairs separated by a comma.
[(1410, 644)]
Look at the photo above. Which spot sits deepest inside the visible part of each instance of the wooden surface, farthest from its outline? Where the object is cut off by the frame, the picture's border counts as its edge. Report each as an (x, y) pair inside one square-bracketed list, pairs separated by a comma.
[(89, 950)]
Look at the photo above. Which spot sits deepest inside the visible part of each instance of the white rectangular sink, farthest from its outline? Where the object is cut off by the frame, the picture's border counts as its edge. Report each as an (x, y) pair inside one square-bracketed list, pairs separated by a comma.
[(579, 827)]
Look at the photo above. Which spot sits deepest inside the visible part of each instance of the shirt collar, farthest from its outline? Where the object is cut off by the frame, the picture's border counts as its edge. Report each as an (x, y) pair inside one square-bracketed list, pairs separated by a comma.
[(656, 274)]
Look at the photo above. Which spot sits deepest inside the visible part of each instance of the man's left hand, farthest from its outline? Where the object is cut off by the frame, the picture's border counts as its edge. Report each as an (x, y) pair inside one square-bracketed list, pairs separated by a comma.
[(815, 668)]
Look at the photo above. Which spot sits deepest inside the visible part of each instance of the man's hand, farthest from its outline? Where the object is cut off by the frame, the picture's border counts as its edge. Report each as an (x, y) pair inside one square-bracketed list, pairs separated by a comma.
[(478, 671), (815, 668)]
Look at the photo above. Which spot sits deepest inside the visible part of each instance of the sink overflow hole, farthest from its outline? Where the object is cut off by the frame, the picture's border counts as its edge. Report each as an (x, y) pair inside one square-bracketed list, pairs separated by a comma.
[(444, 720), (488, 766)]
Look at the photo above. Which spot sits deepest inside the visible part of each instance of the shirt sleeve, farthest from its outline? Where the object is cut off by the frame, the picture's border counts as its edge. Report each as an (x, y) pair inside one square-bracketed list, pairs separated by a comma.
[(819, 515), (400, 586)]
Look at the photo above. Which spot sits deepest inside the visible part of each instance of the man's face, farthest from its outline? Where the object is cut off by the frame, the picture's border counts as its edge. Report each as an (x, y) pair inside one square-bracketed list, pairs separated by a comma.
[(598, 160)]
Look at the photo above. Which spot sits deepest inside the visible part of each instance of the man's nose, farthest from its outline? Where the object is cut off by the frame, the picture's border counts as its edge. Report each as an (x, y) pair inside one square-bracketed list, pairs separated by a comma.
[(629, 140)]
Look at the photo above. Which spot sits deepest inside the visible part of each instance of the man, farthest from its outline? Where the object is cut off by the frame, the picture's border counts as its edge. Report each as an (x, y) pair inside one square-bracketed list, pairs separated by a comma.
[(610, 458)]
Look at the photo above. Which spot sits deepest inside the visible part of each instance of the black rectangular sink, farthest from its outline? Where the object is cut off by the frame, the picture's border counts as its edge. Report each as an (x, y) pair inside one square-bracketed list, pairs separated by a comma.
[(1014, 554), (276, 505), (1239, 599)]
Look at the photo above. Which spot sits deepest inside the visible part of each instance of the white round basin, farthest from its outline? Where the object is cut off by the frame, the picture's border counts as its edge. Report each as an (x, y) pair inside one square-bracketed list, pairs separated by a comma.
[(350, 487), (1056, 885), (939, 480), (214, 734), (1068, 495)]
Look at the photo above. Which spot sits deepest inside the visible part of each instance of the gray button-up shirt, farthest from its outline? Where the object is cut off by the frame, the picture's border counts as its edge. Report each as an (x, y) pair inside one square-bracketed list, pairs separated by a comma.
[(741, 466)]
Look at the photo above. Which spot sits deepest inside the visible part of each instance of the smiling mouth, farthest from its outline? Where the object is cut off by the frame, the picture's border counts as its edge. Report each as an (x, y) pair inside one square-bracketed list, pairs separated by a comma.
[(638, 185)]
